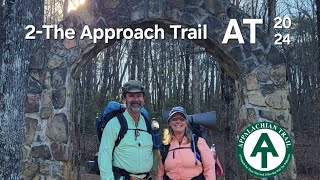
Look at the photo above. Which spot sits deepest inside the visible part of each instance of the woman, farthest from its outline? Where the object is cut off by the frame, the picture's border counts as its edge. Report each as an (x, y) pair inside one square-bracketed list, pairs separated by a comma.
[(181, 162)]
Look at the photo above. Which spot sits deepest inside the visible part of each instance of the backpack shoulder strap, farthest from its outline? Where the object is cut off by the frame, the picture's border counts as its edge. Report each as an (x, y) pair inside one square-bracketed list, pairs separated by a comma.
[(148, 123), (123, 129), (164, 150), (195, 139)]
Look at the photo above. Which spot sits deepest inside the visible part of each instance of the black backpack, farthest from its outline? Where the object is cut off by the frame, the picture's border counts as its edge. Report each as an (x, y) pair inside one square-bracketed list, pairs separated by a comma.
[(114, 109)]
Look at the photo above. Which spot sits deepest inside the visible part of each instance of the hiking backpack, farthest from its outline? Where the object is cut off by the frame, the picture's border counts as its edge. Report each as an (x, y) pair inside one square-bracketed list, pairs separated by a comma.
[(115, 109)]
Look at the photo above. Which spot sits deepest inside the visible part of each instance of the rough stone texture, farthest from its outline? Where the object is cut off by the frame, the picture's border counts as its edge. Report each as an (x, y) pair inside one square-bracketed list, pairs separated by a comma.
[(41, 151), (263, 74), (267, 114), (137, 10), (30, 169), (237, 53), (32, 103), (45, 112), (57, 171), (59, 151), (111, 3), (69, 43), (30, 129), (47, 80), (38, 76), (243, 118), (155, 9), (85, 42), (25, 152), (278, 75), (278, 100), (34, 86), (274, 56), (38, 60), (44, 168), (54, 61), (57, 129), (252, 82), (267, 89), (177, 3), (243, 112), (198, 14), (46, 100), (252, 117), (58, 77), (284, 120), (59, 97), (216, 24), (215, 7), (256, 98)]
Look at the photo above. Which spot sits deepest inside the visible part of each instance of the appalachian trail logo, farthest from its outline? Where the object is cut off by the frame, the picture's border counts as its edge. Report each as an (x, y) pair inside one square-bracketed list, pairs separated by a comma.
[(264, 149)]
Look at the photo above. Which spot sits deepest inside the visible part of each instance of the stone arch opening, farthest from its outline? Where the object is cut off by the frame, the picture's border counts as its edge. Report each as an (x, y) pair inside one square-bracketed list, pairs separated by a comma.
[(256, 90), (211, 45)]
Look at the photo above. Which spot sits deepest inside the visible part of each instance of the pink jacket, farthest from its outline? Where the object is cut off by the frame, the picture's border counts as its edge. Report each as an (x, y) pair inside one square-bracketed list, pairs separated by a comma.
[(182, 166)]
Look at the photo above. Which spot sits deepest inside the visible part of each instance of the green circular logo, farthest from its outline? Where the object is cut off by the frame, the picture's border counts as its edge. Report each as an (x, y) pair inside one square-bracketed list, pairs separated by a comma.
[(264, 149)]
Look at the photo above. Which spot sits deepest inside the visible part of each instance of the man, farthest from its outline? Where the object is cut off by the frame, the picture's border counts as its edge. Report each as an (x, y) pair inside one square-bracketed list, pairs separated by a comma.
[(132, 158)]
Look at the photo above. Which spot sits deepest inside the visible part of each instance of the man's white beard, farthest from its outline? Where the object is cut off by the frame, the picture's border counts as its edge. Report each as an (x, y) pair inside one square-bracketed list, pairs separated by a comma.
[(135, 109)]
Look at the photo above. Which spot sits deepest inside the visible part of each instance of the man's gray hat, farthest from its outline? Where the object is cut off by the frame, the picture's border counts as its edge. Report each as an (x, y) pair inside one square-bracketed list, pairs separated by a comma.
[(132, 86)]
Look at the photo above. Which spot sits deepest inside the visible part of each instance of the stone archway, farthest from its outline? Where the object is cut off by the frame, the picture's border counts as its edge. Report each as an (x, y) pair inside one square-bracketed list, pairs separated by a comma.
[(258, 70)]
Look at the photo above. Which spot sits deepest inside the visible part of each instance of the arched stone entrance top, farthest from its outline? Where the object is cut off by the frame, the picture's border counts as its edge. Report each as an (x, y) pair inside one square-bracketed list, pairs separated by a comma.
[(216, 14), (258, 70)]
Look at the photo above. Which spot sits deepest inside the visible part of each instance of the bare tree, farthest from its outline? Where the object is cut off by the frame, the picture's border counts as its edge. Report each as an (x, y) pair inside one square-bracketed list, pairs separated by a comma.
[(65, 8), (271, 16), (186, 77), (195, 81), (15, 57), (318, 33)]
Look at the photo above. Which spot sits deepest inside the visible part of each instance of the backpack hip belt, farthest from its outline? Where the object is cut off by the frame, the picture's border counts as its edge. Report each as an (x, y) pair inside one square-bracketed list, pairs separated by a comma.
[(118, 172)]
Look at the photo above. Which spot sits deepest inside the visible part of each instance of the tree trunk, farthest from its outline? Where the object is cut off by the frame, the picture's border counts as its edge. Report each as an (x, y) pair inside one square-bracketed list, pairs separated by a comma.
[(106, 74), (229, 117), (15, 58), (134, 59), (186, 78), (65, 8), (2, 30), (195, 82), (146, 75), (271, 16), (318, 32)]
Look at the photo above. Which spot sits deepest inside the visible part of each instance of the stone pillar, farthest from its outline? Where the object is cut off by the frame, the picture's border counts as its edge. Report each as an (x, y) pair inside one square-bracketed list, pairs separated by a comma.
[(48, 148)]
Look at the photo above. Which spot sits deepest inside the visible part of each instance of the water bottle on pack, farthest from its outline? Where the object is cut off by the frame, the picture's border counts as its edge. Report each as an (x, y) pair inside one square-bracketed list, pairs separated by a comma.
[(156, 137), (213, 151), (218, 166)]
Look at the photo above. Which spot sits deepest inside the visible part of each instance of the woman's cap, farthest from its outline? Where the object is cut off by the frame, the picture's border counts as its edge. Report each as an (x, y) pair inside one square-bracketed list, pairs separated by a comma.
[(177, 109)]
